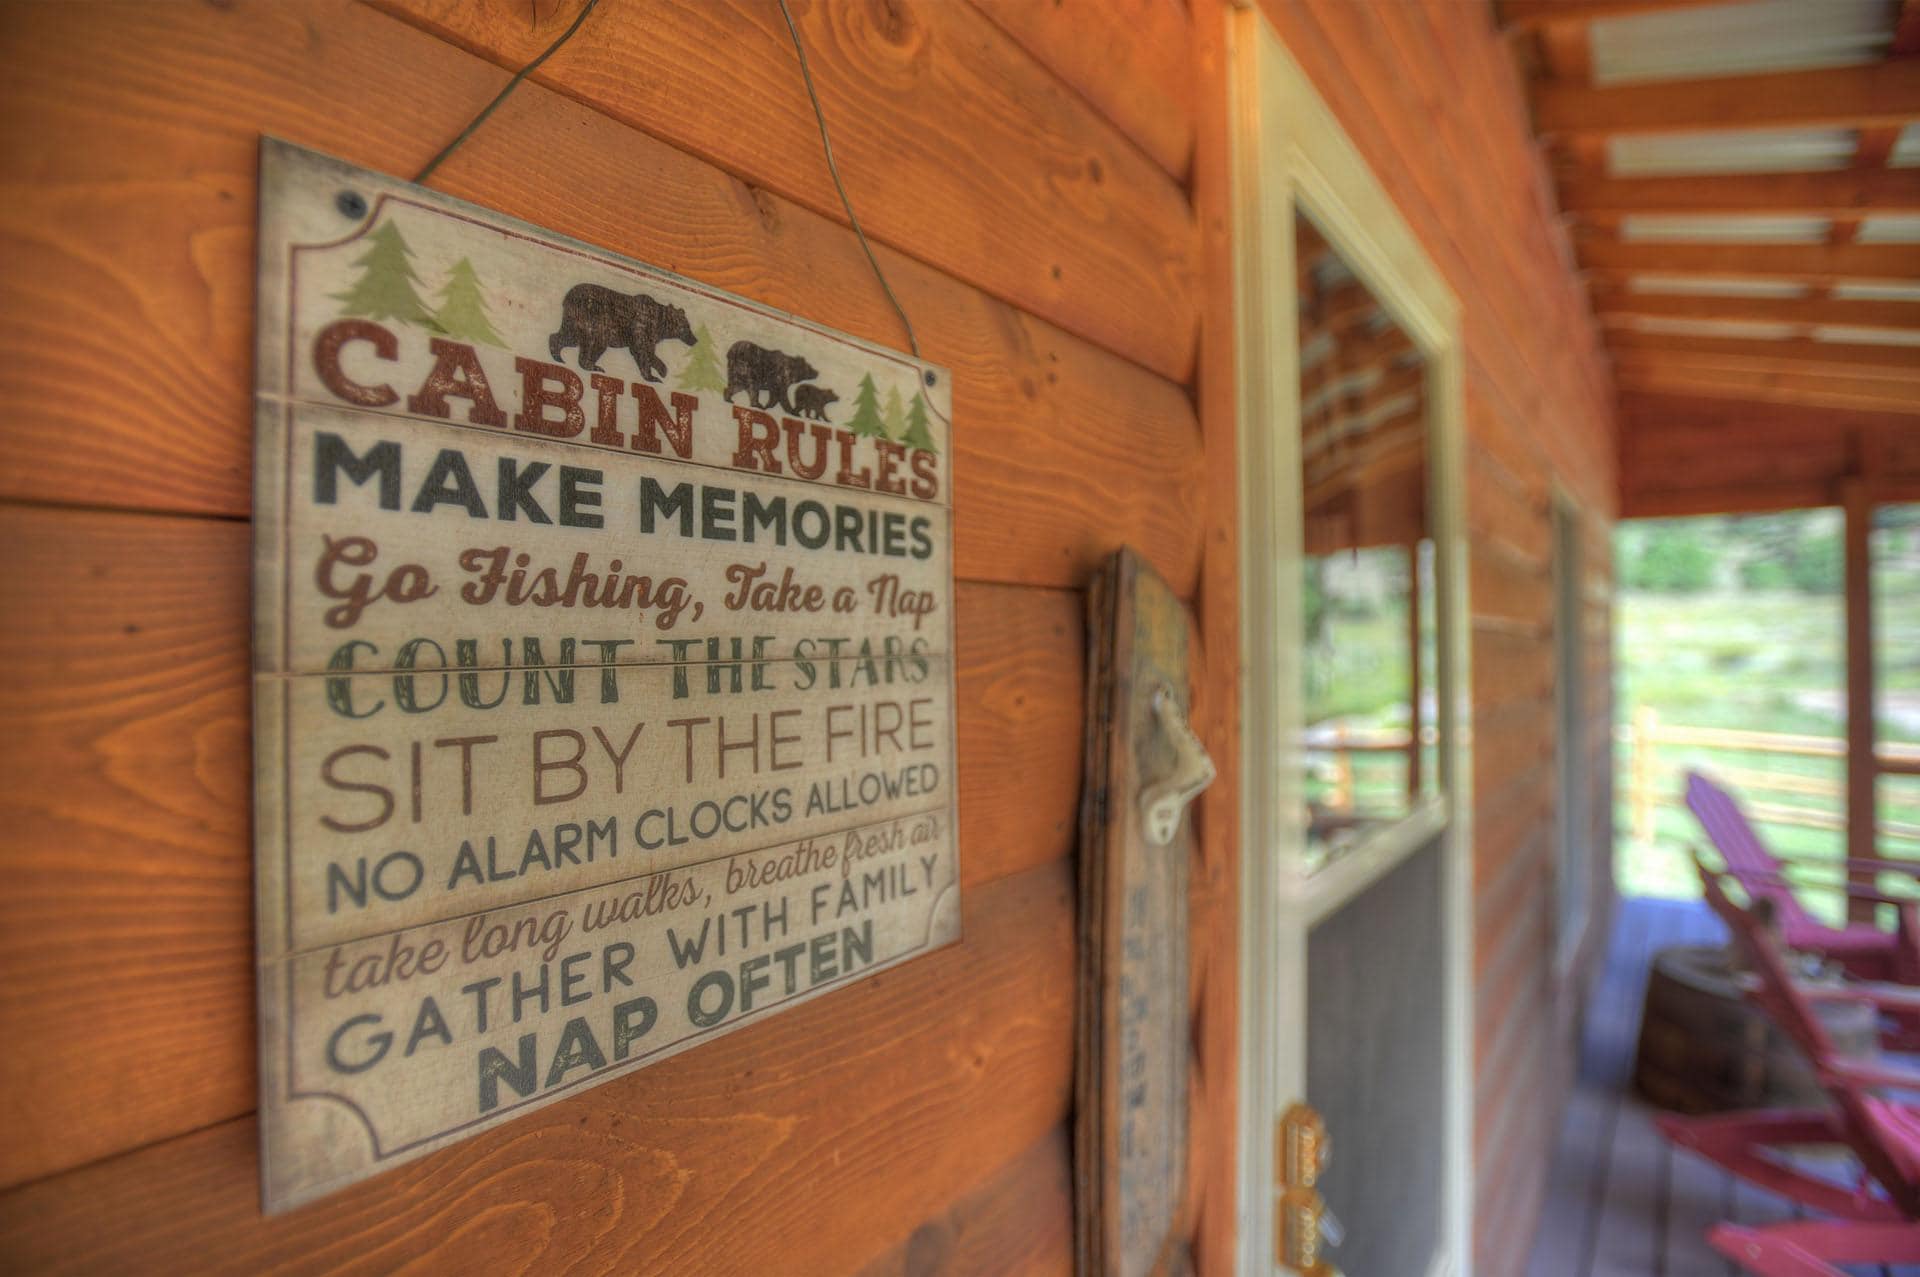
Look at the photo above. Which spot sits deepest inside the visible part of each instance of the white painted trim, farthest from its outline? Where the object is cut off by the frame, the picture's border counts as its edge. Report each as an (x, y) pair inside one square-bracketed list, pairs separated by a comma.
[(1288, 150), (1320, 894)]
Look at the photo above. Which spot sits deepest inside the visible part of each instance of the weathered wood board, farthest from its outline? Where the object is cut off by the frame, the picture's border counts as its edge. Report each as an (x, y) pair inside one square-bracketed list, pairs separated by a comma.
[(1130, 1111), (603, 667)]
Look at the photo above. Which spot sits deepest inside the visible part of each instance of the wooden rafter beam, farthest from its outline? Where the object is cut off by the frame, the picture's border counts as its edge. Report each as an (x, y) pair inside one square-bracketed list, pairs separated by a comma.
[(1845, 97), (1906, 31), (1614, 304), (1890, 363), (1822, 262), (1735, 421), (1519, 15), (1841, 194), (1677, 375)]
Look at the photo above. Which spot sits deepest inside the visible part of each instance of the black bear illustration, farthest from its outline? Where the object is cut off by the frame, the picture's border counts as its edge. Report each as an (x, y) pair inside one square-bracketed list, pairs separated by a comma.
[(764, 374), (812, 401), (596, 319)]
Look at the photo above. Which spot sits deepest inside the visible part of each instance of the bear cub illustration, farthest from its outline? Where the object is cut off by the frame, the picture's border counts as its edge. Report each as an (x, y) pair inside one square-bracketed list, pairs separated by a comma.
[(597, 319), (812, 401), (765, 375)]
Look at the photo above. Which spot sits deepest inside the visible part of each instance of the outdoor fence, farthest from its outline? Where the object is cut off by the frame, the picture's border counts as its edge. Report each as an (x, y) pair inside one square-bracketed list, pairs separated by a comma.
[(1776, 776)]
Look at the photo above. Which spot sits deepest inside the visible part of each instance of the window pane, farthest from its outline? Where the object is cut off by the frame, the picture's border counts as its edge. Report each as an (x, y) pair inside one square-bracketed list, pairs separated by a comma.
[(1369, 664)]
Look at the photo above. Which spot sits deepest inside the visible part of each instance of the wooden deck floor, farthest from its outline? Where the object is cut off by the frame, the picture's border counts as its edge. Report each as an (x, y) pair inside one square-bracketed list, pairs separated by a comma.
[(1621, 1201)]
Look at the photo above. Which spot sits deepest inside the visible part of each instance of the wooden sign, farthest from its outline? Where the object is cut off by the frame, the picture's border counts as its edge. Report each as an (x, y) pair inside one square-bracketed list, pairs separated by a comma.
[(1143, 766), (603, 667)]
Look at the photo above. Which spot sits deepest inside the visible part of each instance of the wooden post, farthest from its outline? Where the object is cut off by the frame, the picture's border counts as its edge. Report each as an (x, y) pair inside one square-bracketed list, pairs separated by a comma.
[(1413, 670), (1646, 725), (1857, 503)]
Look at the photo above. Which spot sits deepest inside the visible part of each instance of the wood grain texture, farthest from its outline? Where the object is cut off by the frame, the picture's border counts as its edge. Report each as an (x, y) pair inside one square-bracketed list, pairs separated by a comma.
[(124, 740), (1812, 194), (955, 145), (1215, 1123), (805, 1146), (1877, 93), (126, 270), (1655, 372), (1135, 61), (1013, 1224), (1822, 263)]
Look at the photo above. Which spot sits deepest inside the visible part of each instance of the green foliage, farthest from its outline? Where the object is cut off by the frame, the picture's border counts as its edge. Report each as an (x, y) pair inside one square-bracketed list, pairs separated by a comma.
[(385, 289), (1673, 560), (917, 435), (702, 370), (866, 410), (1763, 574), (894, 416), (463, 307), (1819, 565)]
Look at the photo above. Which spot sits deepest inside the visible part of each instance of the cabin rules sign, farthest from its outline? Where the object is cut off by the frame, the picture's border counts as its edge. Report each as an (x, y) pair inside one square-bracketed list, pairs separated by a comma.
[(603, 667)]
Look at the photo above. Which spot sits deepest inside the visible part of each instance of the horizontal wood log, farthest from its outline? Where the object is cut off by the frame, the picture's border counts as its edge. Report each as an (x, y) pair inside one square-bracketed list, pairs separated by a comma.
[(1894, 363), (1844, 312), (1503, 588), (955, 146), (632, 1175), (1850, 193), (1018, 1223), (126, 271), (125, 753), (1877, 93), (1134, 61), (1816, 263), (1676, 375)]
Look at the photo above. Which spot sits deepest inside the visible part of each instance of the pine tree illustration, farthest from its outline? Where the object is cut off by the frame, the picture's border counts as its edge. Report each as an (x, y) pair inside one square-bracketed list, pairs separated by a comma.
[(894, 417), (918, 436), (866, 410), (385, 287), (703, 370), (463, 307)]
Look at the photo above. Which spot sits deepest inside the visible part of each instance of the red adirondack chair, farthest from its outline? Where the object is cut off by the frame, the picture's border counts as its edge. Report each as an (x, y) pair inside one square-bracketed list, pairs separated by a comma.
[(1878, 1217), (1863, 949)]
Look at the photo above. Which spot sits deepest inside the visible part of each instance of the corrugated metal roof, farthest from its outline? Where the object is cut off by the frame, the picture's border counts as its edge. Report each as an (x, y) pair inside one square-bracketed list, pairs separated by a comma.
[(1715, 286), (1756, 330), (1741, 151), (1889, 228), (1906, 149), (1877, 290), (1744, 229), (1870, 336), (1740, 39)]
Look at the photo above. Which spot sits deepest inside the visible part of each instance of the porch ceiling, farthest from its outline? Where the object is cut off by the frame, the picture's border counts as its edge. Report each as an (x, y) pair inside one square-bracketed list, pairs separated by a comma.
[(1741, 183)]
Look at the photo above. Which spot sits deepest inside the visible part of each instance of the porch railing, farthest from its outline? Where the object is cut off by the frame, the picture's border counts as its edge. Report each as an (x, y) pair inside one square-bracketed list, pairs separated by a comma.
[(1760, 767)]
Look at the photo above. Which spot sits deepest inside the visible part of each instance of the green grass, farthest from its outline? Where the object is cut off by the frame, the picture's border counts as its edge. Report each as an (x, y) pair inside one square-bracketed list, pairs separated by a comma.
[(1767, 661)]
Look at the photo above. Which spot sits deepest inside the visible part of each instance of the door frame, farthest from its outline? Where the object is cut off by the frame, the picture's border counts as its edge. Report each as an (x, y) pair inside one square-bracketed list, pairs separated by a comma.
[(1288, 150)]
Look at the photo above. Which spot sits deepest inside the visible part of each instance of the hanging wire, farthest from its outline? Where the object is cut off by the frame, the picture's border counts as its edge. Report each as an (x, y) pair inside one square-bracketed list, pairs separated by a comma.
[(504, 93), (826, 144)]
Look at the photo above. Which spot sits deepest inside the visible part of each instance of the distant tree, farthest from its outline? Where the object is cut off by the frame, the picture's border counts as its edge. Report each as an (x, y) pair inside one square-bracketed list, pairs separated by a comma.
[(894, 417), (1673, 559), (1819, 565), (463, 307), (866, 410), (385, 289), (917, 434), (1764, 574), (702, 371)]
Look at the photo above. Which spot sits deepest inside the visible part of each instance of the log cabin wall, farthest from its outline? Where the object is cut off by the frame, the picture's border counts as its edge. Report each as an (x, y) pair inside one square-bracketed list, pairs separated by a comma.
[(1045, 187), (1025, 175), (1429, 94)]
